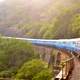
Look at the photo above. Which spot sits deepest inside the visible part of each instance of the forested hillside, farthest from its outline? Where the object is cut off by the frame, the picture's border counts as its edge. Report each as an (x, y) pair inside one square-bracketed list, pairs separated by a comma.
[(13, 54), (20, 61), (47, 19)]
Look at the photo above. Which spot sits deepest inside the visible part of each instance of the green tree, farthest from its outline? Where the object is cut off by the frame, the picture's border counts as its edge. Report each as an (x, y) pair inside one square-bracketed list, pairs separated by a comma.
[(75, 25), (34, 70), (43, 75), (13, 53)]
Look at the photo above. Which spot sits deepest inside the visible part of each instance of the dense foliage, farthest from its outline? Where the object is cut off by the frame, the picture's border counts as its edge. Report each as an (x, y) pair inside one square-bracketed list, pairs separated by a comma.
[(55, 28), (48, 19), (65, 24), (75, 25), (34, 70), (19, 61), (13, 53)]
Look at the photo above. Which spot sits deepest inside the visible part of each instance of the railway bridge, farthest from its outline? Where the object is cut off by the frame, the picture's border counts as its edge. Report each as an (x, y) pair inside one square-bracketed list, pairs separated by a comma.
[(71, 45)]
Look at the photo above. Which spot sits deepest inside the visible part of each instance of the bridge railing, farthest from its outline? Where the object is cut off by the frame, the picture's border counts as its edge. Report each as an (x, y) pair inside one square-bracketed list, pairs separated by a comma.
[(66, 69)]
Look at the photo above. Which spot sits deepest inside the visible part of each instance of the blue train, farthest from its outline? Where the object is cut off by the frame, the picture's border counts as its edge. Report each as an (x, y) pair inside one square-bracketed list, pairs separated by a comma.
[(68, 44), (72, 44)]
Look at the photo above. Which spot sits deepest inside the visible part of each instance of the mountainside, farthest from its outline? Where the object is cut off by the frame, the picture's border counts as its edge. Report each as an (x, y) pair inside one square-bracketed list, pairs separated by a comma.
[(47, 19)]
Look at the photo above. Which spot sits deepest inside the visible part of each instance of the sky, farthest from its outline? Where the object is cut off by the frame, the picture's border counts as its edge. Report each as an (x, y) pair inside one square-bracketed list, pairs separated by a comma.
[(2, 0)]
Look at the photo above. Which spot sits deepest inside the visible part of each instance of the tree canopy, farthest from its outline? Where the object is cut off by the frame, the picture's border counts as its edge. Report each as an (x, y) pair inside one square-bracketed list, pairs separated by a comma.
[(13, 53), (34, 70)]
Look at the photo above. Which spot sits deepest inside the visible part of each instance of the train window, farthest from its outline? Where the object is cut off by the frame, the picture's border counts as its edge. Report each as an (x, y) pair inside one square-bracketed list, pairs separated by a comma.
[(78, 44)]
